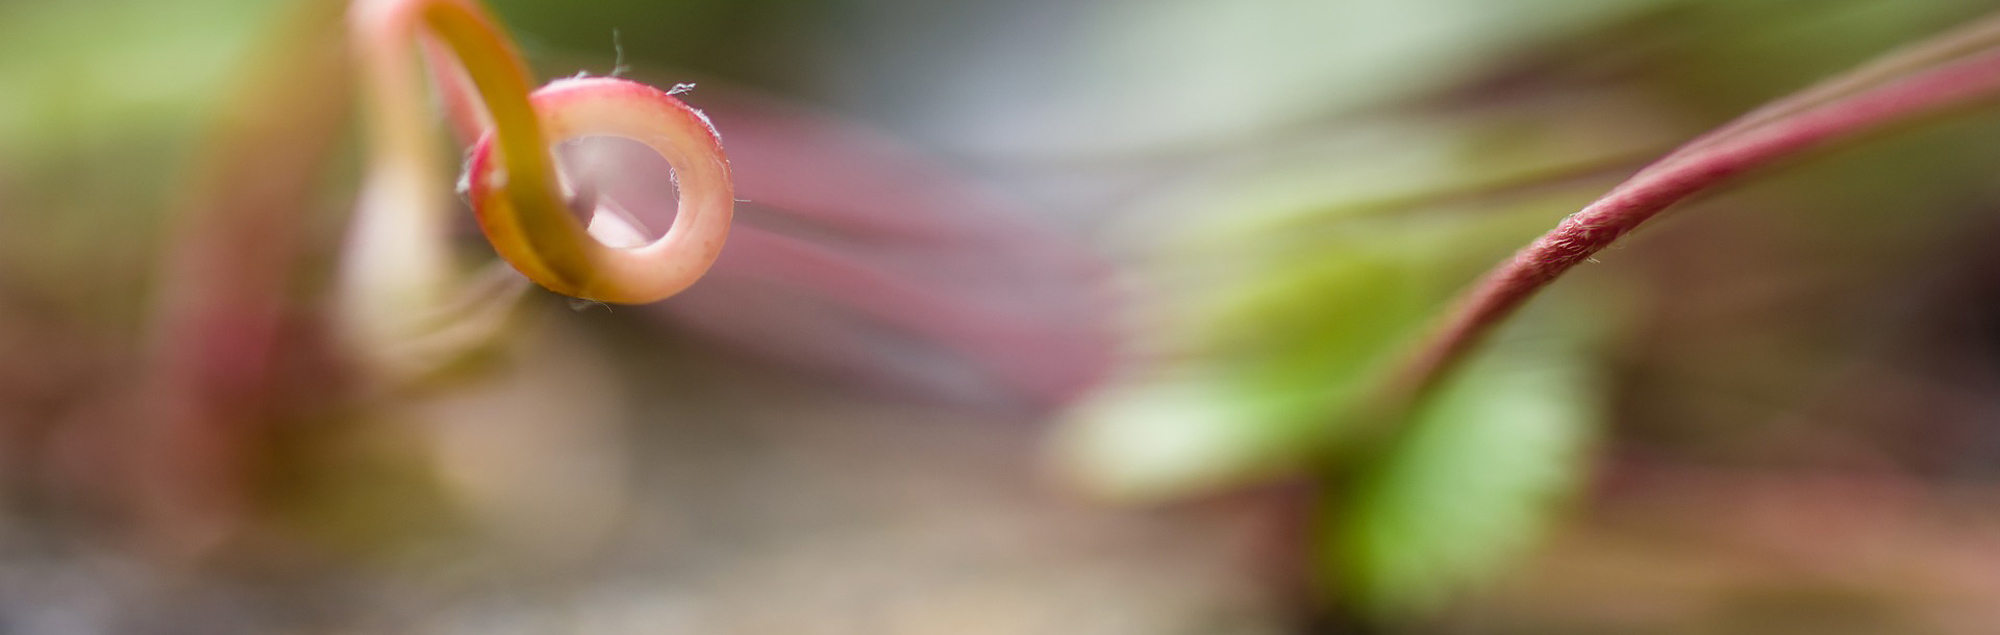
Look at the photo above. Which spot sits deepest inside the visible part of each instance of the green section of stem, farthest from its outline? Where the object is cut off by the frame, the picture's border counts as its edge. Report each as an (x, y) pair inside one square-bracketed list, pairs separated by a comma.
[(399, 284)]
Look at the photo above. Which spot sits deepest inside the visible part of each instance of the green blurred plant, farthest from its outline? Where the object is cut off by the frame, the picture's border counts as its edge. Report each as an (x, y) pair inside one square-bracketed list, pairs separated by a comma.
[(1323, 358)]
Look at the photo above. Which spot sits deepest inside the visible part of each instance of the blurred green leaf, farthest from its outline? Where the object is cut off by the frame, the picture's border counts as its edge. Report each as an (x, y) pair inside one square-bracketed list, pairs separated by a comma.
[(101, 103), (1276, 362), (1256, 374), (79, 75), (1472, 481)]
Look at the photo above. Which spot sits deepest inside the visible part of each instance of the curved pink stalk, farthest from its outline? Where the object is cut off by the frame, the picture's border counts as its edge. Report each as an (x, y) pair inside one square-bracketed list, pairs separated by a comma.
[(398, 271), (1843, 110)]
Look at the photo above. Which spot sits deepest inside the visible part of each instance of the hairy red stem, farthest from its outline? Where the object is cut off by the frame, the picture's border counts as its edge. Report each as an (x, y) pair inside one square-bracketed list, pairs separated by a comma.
[(1681, 174)]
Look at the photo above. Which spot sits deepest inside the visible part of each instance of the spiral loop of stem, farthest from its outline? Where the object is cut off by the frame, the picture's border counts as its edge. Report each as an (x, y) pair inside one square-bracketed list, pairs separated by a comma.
[(398, 265)]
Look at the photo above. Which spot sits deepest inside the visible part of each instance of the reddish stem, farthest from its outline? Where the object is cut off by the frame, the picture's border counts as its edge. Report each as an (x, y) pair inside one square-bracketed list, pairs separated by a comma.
[(1682, 174)]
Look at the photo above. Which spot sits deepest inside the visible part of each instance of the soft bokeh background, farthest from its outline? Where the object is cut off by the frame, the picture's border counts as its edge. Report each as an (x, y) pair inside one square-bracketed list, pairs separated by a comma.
[(1042, 316)]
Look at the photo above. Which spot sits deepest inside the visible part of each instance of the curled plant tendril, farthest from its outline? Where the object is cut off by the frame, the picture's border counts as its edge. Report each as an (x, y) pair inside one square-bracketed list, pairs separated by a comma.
[(398, 271), (539, 236)]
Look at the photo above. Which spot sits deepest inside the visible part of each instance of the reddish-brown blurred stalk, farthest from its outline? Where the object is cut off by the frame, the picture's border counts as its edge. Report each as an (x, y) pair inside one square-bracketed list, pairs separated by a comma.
[(224, 294)]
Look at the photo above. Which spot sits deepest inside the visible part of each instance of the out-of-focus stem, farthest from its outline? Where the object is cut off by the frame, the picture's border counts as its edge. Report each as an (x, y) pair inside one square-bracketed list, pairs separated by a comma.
[(1709, 161), (220, 312)]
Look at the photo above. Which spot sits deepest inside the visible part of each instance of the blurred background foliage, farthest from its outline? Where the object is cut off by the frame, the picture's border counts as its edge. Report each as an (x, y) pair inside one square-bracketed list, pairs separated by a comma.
[(1043, 316)]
